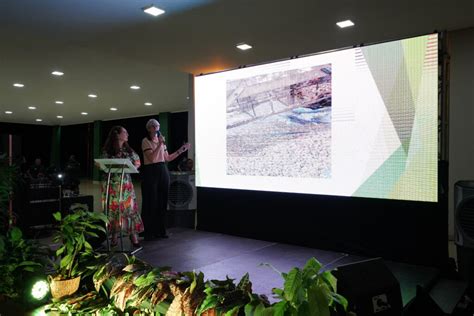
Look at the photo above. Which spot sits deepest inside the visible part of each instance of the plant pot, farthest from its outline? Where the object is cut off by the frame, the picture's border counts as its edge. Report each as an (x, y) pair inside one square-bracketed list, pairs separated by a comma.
[(61, 288)]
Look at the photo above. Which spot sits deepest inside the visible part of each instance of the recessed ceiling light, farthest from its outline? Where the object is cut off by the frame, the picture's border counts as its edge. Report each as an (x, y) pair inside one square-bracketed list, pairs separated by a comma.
[(18, 85), (243, 46), (135, 87), (152, 10), (148, 103), (92, 95), (32, 108), (58, 102), (57, 73), (345, 23), (84, 113), (113, 109), (8, 112), (39, 120), (59, 116)]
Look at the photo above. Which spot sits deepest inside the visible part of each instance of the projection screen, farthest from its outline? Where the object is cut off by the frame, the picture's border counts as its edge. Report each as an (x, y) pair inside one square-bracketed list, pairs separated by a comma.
[(358, 122)]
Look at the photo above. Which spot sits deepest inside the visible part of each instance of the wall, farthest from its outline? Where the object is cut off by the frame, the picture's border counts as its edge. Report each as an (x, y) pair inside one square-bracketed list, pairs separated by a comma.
[(35, 140), (461, 120)]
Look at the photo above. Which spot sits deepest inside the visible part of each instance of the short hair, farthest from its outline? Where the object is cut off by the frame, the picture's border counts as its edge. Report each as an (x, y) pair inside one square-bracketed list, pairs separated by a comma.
[(151, 122)]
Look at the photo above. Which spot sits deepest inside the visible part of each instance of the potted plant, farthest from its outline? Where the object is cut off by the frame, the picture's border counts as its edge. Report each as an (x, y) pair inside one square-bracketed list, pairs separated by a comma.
[(309, 291), (75, 253)]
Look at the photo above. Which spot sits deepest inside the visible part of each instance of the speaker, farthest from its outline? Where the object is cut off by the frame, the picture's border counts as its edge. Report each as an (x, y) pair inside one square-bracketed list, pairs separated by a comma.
[(464, 213), (182, 193), (370, 288)]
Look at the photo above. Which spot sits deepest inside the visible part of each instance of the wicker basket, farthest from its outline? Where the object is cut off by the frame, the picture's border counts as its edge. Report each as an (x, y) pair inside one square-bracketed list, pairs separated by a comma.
[(61, 288)]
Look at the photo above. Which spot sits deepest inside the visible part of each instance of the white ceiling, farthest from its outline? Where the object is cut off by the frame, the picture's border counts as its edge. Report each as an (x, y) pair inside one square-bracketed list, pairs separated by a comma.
[(104, 46)]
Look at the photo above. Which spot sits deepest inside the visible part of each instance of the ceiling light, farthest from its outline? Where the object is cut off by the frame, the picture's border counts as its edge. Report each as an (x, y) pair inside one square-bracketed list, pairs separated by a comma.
[(57, 73), (18, 85), (8, 112), (152, 10), (243, 46), (58, 102), (113, 109), (32, 108), (84, 113), (59, 116), (92, 95), (134, 87), (39, 120), (345, 23), (148, 103)]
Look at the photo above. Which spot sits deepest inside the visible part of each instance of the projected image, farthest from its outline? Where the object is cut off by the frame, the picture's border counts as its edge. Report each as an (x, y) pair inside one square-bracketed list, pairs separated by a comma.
[(279, 124), (358, 122)]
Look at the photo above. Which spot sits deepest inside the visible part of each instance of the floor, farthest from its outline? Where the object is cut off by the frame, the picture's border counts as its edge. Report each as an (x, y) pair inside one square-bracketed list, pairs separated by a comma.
[(89, 187), (219, 255)]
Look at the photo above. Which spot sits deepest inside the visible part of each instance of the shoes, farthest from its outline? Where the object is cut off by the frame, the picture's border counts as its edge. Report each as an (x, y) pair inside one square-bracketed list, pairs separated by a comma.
[(113, 243), (136, 245)]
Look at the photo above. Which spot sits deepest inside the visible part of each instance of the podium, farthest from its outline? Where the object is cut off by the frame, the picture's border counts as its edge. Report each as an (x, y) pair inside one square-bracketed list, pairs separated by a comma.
[(116, 166)]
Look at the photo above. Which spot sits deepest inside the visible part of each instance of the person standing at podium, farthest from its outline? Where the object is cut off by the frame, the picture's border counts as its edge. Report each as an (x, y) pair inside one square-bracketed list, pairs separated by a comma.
[(116, 146), (156, 180)]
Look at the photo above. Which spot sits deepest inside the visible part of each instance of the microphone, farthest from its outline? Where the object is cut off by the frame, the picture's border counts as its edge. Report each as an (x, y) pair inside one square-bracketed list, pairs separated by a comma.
[(158, 134)]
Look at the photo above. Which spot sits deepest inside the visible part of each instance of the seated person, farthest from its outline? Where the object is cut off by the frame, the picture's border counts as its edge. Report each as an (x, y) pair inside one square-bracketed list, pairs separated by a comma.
[(36, 171)]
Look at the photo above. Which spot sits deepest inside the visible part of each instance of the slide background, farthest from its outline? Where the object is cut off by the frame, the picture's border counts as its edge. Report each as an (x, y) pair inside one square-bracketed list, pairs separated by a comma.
[(384, 124)]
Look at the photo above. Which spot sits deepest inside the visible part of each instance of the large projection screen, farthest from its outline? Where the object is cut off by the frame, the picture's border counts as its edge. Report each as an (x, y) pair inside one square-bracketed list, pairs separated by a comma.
[(358, 122)]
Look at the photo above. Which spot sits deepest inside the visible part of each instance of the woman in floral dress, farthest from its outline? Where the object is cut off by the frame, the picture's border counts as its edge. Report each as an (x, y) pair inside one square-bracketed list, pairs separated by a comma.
[(116, 146)]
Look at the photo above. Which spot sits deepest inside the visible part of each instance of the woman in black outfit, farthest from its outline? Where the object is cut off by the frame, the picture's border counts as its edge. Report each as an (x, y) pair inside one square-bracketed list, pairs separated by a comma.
[(156, 180)]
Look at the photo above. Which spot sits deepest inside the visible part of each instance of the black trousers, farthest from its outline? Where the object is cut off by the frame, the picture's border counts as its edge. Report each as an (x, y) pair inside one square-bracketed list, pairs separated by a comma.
[(155, 188)]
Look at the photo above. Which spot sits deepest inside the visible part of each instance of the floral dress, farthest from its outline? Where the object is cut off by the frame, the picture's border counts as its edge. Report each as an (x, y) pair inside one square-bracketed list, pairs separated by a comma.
[(132, 223)]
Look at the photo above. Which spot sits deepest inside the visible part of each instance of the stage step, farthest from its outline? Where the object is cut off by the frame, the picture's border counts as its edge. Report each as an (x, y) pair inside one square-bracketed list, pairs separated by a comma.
[(447, 294)]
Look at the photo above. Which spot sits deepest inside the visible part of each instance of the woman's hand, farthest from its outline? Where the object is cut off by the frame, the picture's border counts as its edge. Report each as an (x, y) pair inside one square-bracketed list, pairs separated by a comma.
[(161, 139), (185, 147)]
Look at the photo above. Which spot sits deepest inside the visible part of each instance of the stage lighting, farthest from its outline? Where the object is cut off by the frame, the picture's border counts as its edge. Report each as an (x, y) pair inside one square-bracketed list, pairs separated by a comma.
[(39, 290), (60, 175)]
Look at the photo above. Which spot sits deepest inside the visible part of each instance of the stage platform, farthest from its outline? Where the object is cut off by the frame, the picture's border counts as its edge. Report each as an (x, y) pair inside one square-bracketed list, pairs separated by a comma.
[(218, 255)]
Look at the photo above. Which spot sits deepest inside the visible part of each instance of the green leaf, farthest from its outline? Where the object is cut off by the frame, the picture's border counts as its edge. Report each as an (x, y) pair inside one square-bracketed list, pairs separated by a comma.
[(341, 300), (15, 234), (233, 311), (208, 303), (311, 268), (60, 250), (244, 283), (318, 300), (278, 292), (279, 308), (65, 261), (57, 216), (329, 279), (293, 285)]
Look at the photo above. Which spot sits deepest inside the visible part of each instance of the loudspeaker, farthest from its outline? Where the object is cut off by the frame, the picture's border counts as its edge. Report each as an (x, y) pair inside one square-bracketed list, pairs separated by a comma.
[(370, 288), (464, 213), (182, 193)]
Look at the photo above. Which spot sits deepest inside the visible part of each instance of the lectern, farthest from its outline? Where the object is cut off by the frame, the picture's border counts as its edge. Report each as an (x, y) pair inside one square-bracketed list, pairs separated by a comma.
[(115, 166)]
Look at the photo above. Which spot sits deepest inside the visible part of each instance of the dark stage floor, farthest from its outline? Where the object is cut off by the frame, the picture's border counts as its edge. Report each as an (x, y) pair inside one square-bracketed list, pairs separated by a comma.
[(218, 255)]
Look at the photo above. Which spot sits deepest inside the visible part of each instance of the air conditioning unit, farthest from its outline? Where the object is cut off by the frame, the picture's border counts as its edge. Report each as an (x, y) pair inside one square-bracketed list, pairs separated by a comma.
[(182, 194)]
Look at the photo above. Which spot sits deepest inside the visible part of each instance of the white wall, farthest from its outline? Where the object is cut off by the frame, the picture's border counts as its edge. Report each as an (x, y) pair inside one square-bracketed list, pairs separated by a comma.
[(461, 121)]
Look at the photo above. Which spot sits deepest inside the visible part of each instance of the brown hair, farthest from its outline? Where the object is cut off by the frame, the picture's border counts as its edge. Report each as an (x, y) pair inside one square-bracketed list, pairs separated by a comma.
[(111, 145)]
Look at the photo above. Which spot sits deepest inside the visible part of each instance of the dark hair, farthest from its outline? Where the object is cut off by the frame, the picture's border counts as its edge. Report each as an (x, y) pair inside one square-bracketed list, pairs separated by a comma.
[(111, 145)]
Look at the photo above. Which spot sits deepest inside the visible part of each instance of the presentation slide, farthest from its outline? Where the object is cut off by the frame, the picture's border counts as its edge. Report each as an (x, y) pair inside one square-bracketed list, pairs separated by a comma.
[(359, 122)]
